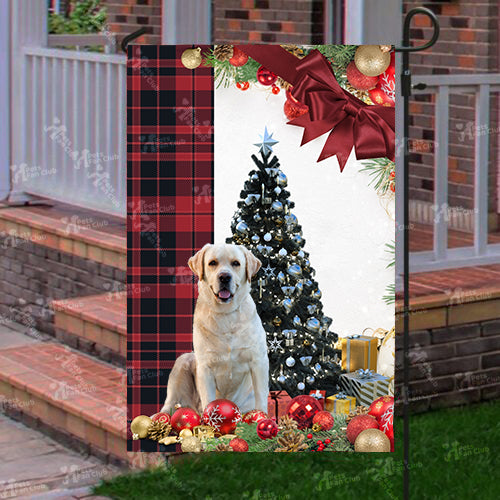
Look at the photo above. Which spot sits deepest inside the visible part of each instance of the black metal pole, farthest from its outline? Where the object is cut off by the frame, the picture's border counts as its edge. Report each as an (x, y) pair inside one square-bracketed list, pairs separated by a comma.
[(406, 92)]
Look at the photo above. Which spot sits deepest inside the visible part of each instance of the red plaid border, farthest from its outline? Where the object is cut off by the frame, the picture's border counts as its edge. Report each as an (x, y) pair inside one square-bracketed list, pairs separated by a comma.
[(170, 111)]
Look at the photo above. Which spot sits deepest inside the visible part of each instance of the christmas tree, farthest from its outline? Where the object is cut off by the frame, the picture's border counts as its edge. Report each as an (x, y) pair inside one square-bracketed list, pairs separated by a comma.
[(301, 349)]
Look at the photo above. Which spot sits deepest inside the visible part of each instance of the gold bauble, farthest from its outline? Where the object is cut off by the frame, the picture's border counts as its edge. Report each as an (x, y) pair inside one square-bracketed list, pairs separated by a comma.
[(192, 444), (191, 58), (139, 427), (385, 48), (185, 433), (370, 60), (372, 440)]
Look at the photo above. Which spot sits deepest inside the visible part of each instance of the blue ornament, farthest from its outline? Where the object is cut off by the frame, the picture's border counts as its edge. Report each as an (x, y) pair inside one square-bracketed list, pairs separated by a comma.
[(282, 252), (242, 227), (313, 325), (282, 180), (277, 205), (294, 270)]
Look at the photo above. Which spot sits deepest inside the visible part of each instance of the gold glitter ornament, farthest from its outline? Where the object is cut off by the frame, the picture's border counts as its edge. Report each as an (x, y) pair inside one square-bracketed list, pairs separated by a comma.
[(385, 48), (191, 58), (185, 433), (192, 444), (140, 427), (370, 60), (372, 440)]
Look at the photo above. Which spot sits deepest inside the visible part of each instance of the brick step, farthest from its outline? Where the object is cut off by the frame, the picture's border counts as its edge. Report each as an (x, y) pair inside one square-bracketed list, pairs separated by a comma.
[(95, 324), (69, 392)]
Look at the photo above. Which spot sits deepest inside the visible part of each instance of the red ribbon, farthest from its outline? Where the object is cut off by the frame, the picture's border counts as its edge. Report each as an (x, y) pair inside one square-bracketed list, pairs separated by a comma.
[(370, 129)]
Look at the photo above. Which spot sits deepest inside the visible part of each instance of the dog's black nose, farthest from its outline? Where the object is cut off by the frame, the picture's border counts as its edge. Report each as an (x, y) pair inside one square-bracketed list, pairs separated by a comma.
[(224, 278)]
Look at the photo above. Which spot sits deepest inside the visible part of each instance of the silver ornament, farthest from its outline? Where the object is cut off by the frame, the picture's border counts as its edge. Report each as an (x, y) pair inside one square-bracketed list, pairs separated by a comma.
[(313, 325), (257, 218), (290, 334), (255, 238), (282, 252), (301, 254), (306, 360), (317, 294), (301, 386), (242, 227), (311, 309), (287, 304), (268, 237), (255, 177), (290, 362), (277, 190), (296, 321), (282, 180), (281, 277), (317, 367), (277, 205), (294, 270), (310, 380), (288, 290), (298, 239), (281, 379)]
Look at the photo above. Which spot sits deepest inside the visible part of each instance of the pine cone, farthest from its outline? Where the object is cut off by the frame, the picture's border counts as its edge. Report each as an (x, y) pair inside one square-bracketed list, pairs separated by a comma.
[(293, 49), (362, 95), (286, 423), (223, 447), (359, 410), (291, 442), (158, 430), (223, 52)]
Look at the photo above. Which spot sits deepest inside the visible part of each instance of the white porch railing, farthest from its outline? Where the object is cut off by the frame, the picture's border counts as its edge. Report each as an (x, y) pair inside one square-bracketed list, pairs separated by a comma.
[(442, 257), (68, 118)]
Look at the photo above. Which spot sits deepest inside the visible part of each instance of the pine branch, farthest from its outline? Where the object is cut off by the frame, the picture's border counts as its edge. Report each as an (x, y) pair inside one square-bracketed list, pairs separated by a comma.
[(390, 297), (380, 170)]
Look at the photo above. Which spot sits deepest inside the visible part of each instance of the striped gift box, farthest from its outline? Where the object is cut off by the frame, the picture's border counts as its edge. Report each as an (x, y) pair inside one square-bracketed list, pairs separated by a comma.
[(365, 385)]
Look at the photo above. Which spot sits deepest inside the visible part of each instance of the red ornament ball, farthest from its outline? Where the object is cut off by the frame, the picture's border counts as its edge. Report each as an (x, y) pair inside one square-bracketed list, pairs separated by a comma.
[(359, 424), (242, 85), (324, 419), (386, 424), (275, 90), (266, 77), (184, 418), (379, 406), (253, 416), (302, 409), (378, 96), (267, 428), (358, 80), (238, 444), (239, 58), (309, 436), (222, 415), (293, 108), (164, 418)]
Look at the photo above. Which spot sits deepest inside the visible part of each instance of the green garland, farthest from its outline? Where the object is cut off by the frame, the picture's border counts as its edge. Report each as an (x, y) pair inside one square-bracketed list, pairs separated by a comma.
[(225, 74), (248, 432)]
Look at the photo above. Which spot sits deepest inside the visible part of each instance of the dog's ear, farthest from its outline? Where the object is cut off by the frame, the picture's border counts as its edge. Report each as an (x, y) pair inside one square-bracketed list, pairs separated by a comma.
[(253, 264), (196, 262)]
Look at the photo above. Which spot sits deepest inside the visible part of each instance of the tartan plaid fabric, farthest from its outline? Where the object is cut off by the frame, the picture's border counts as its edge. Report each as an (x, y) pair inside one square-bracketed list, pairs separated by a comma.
[(170, 111)]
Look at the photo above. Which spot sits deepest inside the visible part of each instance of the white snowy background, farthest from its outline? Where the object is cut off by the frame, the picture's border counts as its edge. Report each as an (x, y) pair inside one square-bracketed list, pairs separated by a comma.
[(343, 221)]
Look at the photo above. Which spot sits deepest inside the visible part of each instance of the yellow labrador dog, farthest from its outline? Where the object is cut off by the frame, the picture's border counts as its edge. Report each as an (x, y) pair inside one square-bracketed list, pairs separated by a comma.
[(230, 349)]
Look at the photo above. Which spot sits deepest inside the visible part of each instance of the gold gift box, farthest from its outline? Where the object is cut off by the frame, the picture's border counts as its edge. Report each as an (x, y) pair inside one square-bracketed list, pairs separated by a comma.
[(359, 351), (343, 405)]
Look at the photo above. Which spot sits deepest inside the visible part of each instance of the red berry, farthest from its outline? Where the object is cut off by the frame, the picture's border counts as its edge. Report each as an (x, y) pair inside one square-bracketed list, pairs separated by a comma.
[(242, 85), (328, 441), (392, 174), (319, 443), (275, 89), (309, 436), (393, 187)]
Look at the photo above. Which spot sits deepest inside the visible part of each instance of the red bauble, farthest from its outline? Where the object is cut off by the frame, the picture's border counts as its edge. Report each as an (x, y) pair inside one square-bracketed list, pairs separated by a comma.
[(359, 424), (358, 80), (325, 419), (242, 85), (239, 58), (266, 77), (253, 416), (184, 418), (293, 108), (275, 90), (238, 444), (222, 415), (302, 409), (267, 428), (379, 406), (164, 418), (386, 424), (378, 96), (387, 81)]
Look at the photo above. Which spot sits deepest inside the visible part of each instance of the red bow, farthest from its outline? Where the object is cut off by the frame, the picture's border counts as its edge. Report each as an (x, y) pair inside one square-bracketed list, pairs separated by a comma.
[(370, 129)]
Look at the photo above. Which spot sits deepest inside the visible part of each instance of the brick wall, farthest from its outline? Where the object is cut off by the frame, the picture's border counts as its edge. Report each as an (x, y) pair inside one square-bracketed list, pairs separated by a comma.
[(468, 43), (127, 16), (451, 366), (31, 276), (268, 21)]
